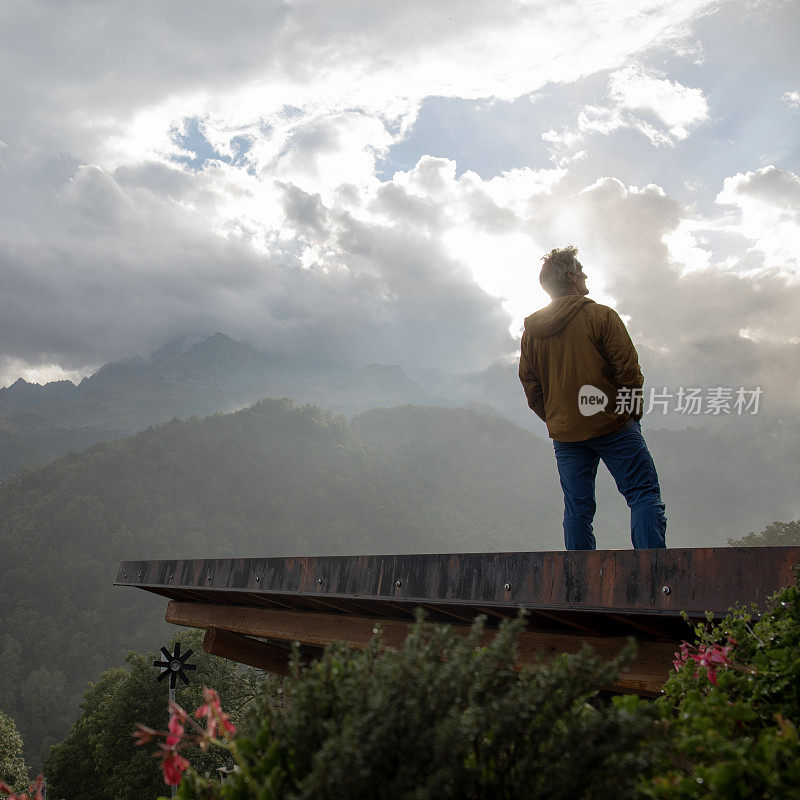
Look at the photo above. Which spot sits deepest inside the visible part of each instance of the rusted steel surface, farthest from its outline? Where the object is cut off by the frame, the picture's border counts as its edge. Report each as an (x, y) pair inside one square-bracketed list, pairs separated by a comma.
[(602, 591)]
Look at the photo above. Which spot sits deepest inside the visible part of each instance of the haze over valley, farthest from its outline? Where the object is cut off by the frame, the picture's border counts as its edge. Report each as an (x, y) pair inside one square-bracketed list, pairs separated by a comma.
[(265, 267)]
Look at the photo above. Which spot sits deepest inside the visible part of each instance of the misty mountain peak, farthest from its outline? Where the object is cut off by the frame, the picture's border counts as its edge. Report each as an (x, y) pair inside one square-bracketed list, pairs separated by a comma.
[(23, 395), (220, 349), (219, 341), (172, 348)]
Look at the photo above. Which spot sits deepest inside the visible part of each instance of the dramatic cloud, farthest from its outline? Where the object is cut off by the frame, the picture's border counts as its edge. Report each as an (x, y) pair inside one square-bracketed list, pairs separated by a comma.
[(769, 202), (709, 327), (128, 267), (634, 96), (677, 106), (266, 170), (89, 70)]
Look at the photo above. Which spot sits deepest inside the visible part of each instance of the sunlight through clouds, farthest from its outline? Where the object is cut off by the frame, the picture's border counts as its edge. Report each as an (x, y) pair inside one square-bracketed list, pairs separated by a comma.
[(769, 202), (268, 174)]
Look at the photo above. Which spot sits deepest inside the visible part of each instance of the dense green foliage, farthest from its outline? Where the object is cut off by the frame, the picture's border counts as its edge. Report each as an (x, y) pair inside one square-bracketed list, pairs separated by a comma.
[(738, 738), (13, 771), (448, 718), (441, 718), (98, 759), (778, 534), (271, 480), (279, 480)]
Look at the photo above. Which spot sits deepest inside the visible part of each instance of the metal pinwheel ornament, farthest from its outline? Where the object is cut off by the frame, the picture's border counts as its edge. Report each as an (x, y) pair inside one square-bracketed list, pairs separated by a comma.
[(174, 665)]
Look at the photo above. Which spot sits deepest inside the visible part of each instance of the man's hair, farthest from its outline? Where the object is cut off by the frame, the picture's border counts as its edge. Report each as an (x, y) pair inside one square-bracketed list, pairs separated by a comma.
[(558, 264)]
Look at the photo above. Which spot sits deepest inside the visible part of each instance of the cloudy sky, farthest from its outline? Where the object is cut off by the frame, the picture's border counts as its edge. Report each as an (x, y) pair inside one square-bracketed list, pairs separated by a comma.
[(374, 181)]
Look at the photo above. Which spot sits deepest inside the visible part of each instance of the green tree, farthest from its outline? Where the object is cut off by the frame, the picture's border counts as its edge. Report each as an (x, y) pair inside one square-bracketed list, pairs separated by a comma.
[(12, 764), (776, 534), (98, 758), (442, 718)]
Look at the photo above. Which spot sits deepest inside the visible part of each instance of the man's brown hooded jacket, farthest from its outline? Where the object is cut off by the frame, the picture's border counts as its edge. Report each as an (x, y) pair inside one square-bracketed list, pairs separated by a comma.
[(571, 343)]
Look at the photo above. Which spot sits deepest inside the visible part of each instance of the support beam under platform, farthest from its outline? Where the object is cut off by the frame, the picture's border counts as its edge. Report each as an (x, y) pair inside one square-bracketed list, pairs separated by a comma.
[(231, 627), (571, 598), (244, 650)]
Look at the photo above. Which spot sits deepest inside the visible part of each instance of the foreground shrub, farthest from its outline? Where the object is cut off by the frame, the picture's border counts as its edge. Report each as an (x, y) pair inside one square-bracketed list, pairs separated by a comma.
[(733, 708), (444, 718), (441, 718)]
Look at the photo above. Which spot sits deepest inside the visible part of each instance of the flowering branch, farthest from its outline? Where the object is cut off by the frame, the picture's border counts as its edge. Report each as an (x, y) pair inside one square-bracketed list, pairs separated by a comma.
[(216, 718), (173, 764), (708, 656)]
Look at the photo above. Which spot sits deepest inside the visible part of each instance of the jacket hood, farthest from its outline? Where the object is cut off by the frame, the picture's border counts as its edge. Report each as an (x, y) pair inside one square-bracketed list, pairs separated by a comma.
[(552, 319)]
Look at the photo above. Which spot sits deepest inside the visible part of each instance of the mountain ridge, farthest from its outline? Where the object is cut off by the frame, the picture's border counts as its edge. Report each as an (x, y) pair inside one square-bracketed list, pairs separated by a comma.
[(180, 379)]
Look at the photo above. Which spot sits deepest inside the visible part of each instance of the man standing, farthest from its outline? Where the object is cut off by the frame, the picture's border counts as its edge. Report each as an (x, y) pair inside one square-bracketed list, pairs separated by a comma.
[(580, 372)]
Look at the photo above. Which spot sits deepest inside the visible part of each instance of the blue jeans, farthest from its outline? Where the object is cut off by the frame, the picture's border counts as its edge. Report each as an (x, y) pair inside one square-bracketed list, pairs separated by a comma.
[(631, 465)]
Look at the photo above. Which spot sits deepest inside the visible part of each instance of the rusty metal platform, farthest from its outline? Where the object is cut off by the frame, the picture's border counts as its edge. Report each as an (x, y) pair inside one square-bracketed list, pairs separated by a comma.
[(639, 584), (595, 596)]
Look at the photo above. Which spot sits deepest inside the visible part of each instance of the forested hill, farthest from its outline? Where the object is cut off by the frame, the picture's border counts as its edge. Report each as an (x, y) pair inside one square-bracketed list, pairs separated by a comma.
[(41, 422), (276, 479), (273, 479)]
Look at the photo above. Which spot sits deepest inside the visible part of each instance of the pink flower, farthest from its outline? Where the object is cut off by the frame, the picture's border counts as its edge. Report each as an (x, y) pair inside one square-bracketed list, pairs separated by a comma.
[(175, 731), (215, 716), (719, 655), (681, 656), (212, 703), (700, 658), (710, 657), (173, 765)]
